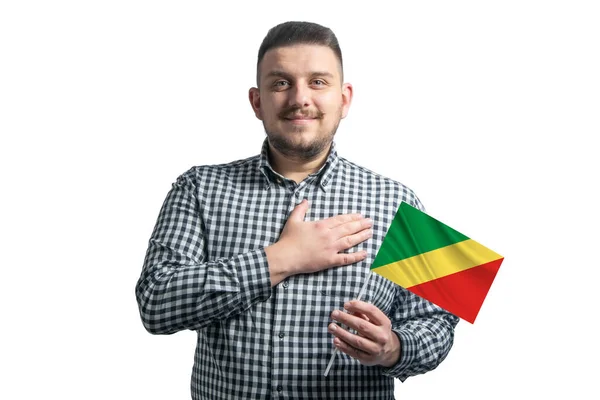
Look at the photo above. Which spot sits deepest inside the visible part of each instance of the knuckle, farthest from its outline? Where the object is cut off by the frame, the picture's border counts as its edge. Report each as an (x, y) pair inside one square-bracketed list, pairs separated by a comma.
[(371, 308), (348, 241)]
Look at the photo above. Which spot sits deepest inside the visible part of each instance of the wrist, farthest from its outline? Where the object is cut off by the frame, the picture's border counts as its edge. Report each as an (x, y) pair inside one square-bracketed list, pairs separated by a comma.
[(279, 265), (394, 354)]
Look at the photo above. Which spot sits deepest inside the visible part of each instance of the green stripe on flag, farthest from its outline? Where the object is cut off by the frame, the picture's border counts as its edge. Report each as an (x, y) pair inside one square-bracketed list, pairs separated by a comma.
[(403, 242)]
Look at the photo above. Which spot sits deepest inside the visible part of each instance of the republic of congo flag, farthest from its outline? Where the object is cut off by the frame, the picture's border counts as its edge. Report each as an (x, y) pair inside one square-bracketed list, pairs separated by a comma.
[(434, 261)]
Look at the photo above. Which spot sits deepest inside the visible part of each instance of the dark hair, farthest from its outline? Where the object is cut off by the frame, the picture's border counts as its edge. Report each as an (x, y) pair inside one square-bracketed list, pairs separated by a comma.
[(298, 32)]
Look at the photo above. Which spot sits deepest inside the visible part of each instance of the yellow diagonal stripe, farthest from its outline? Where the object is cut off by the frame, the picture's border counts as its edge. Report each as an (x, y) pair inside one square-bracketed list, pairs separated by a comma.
[(437, 263)]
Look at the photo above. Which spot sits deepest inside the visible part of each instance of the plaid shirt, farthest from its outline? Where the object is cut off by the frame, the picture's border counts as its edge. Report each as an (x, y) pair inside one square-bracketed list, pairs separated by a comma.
[(206, 270)]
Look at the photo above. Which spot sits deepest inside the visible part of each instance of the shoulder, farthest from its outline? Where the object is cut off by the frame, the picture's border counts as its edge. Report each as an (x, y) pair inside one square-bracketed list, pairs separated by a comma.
[(200, 175), (371, 180)]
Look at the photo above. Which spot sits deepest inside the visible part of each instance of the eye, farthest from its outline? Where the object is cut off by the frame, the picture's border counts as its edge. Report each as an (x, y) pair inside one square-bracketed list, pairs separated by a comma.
[(279, 84), (318, 82)]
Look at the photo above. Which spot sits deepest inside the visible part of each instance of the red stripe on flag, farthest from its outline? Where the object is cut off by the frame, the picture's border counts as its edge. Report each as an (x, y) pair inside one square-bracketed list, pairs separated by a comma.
[(461, 293)]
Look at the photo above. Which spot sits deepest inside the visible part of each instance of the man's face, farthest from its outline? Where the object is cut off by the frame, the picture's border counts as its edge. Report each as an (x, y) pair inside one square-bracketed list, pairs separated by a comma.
[(301, 99)]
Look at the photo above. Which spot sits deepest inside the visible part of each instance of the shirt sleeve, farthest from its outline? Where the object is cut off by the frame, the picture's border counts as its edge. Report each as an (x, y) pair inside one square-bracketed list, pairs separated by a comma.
[(425, 330), (426, 334), (178, 288)]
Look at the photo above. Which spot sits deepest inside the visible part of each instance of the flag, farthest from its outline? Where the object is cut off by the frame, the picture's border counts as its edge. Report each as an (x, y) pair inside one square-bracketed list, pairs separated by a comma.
[(436, 262)]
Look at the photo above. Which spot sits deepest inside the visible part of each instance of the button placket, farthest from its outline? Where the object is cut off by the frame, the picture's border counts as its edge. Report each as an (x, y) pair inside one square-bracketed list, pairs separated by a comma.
[(298, 190)]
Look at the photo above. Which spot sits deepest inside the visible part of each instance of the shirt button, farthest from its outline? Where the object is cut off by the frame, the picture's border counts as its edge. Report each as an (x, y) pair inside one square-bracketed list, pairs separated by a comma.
[(279, 388), (286, 284), (297, 194), (281, 335)]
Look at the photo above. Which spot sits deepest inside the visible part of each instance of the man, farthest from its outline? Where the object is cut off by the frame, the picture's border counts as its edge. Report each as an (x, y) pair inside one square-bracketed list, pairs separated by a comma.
[(262, 256)]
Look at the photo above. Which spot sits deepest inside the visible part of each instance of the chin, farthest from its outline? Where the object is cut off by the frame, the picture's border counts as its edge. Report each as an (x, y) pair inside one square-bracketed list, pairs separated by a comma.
[(298, 145)]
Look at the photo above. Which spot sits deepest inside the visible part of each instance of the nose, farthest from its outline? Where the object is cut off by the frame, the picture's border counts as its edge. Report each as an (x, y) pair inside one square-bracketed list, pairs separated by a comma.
[(299, 96)]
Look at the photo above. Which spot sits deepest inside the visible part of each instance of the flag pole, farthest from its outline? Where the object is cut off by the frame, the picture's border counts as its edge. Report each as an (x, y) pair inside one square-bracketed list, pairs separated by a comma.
[(360, 294)]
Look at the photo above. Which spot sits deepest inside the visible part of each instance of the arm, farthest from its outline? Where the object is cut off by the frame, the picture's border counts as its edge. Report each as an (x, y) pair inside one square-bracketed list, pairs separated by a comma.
[(178, 288)]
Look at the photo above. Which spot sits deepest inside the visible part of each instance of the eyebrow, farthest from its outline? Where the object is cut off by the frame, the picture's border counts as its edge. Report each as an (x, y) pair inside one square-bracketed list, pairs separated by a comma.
[(282, 74)]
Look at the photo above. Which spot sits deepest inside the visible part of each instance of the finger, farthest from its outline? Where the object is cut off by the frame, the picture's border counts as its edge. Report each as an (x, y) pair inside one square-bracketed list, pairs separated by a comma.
[(361, 356), (358, 342), (348, 258), (347, 242), (351, 227), (362, 327), (361, 315), (375, 315), (299, 212), (337, 220)]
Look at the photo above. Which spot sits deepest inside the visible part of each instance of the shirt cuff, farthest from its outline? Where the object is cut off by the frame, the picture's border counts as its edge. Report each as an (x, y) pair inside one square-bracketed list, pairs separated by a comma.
[(408, 351), (254, 277)]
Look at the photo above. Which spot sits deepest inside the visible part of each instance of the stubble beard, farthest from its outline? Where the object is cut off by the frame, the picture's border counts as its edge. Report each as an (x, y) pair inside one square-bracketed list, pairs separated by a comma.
[(289, 148)]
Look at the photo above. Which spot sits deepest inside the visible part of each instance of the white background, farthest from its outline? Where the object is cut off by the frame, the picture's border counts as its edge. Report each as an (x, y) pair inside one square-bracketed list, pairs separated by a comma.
[(488, 110)]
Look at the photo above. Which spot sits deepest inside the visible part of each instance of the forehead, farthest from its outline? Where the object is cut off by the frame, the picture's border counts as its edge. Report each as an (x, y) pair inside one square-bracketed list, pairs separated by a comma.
[(299, 60)]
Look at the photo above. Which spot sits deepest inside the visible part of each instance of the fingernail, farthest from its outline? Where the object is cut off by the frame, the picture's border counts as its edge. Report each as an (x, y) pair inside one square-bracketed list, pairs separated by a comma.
[(333, 327), (348, 306), (335, 314)]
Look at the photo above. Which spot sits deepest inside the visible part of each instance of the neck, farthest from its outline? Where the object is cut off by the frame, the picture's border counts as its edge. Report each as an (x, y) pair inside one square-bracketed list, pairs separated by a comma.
[(296, 169)]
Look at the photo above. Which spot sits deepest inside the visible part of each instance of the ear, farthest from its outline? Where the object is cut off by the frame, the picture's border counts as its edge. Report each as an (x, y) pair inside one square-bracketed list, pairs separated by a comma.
[(347, 92), (254, 97)]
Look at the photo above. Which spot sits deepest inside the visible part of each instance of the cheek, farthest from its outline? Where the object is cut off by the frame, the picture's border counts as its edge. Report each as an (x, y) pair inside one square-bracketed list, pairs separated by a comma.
[(271, 109), (330, 104)]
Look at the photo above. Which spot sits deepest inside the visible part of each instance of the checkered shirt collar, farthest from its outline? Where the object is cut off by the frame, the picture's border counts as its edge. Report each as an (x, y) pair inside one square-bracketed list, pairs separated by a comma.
[(324, 174)]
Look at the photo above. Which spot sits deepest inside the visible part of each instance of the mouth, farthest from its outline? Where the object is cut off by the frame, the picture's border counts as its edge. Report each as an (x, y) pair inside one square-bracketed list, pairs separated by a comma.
[(300, 120)]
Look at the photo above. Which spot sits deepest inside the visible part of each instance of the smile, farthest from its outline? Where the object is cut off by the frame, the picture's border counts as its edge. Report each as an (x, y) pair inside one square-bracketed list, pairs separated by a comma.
[(300, 121)]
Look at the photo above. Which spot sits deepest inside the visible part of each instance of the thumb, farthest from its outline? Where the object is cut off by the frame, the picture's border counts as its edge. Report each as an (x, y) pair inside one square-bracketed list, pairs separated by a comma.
[(299, 211)]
